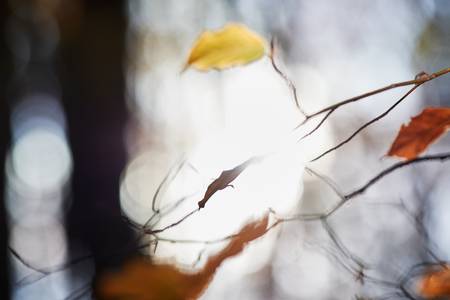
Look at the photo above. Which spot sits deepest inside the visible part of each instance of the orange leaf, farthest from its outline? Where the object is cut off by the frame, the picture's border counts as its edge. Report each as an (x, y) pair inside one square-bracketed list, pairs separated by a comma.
[(141, 279), (424, 129), (435, 284)]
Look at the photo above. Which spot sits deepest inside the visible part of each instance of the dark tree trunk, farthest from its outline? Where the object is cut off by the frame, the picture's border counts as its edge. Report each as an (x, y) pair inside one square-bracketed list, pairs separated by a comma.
[(6, 70), (92, 79)]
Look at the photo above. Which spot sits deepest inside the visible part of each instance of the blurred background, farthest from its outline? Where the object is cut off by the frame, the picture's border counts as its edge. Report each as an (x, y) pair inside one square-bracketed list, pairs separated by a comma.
[(94, 113)]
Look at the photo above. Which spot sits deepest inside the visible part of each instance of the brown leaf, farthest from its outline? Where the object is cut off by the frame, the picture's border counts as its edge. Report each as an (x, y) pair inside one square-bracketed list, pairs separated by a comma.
[(424, 129), (435, 284), (225, 179), (142, 280)]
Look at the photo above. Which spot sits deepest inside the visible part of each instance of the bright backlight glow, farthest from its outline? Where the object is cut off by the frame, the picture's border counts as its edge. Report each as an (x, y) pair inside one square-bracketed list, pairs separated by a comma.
[(41, 159)]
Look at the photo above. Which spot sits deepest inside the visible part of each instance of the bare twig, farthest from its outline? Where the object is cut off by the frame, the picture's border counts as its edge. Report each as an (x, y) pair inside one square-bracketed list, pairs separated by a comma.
[(377, 118), (154, 231), (340, 261), (317, 126), (26, 263), (420, 79), (346, 197), (230, 175), (364, 95), (172, 206), (80, 292), (328, 181), (167, 178), (436, 157), (420, 228), (400, 286), (362, 189), (45, 272), (186, 241), (340, 245), (290, 84), (312, 217)]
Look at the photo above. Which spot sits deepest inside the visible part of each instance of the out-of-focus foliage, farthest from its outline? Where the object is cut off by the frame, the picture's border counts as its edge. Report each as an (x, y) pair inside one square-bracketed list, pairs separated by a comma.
[(230, 46), (436, 284), (141, 279), (424, 129)]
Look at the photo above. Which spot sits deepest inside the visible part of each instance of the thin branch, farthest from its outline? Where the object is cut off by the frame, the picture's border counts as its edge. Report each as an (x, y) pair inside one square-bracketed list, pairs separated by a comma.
[(365, 95), (153, 231), (169, 177), (366, 125), (328, 181), (187, 241), (290, 84), (393, 295), (172, 206), (29, 279), (420, 79), (27, 264), (303, 217), (322, 216), (436, 157), (79, 292), (344, 198), (317, 126), (177, 167), (421, 230), (44, 273), (350, 269), (340, 245)]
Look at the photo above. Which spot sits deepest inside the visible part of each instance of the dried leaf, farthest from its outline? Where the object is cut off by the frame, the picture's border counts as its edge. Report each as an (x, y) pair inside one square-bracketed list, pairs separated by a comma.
[(225, 179), (142, 280), (424, 129), (233, 45), (435, 284)]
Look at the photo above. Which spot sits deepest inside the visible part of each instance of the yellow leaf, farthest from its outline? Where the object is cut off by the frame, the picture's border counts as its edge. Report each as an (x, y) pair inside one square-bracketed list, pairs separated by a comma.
[(230, 46)]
